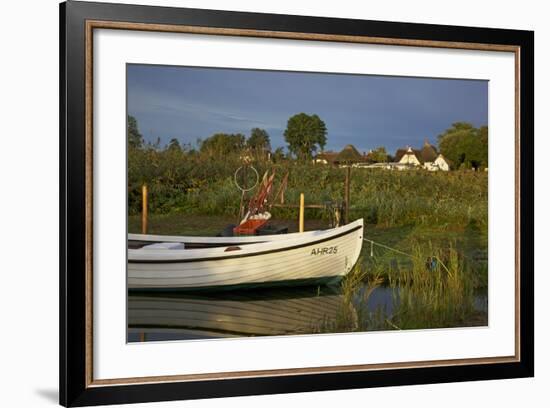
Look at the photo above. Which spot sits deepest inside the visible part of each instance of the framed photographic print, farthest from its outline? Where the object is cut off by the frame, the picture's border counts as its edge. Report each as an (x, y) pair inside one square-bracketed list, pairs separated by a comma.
[(256, 203)]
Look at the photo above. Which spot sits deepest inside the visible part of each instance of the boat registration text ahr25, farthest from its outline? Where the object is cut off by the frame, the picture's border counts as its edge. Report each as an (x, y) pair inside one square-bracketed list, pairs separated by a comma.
[(325, 250)]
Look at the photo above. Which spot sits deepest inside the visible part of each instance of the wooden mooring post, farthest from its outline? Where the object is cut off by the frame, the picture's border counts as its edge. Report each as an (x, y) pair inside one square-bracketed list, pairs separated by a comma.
[(144, 209), (346, 194), (301, 220)]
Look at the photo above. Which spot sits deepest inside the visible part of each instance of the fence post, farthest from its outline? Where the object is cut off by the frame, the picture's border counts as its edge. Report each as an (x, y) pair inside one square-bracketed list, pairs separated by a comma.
[(301, 221), (144, 209), (346, 195)]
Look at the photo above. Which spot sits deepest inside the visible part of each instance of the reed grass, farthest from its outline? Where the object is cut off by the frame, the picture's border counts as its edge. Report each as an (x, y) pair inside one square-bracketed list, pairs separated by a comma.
[(384, 198), (435, 295), (425, 295), (354, 313)]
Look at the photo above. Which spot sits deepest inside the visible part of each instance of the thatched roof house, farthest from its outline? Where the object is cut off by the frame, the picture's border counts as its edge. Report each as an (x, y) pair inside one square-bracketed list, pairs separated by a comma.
[(349, 155), (408, 155), (428, 152), (325, 157)]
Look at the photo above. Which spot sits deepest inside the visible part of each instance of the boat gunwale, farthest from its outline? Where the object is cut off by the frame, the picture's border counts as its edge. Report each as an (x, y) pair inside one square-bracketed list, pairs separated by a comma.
[(221, 241), (232, 256)]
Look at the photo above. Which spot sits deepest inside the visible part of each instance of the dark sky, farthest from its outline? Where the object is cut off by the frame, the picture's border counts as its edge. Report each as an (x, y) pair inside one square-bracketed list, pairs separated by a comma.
[(366, 111)]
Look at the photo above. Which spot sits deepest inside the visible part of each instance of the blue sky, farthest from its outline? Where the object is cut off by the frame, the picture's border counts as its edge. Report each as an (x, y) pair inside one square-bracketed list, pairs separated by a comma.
[(366, 111)]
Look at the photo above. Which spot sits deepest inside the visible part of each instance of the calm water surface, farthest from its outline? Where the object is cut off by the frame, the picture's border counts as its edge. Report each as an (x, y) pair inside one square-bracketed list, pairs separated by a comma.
[(289, 311)]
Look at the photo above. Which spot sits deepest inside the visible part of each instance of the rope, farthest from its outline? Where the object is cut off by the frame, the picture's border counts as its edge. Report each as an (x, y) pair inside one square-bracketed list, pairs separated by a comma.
[(372, 243), (386, 247)]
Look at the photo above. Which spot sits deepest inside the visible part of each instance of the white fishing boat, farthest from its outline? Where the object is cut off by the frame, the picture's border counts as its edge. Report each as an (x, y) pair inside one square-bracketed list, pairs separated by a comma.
[(271, 260)]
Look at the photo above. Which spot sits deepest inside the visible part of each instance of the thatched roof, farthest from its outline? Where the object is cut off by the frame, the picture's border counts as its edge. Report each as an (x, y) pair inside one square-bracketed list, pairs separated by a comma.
[(402, 152), (349, 154), (329, 156), (428, 152), (399, 153)]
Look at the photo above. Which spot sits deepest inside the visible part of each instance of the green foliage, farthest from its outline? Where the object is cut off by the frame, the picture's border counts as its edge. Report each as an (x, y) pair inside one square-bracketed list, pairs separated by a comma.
[(221, 144), (135, 139), (258, 140), (193, 183), (305, 134), (278, 155), (465, 145), (174, 144), (379, 155)]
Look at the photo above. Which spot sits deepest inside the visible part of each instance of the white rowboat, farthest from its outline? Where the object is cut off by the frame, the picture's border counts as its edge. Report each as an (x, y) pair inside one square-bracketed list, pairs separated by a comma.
[(271, 260)]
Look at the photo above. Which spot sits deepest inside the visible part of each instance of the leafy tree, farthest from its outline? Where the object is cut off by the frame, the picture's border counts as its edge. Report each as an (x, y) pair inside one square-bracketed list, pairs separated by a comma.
[(379, 155), (465, 145), (305, 134), (221, 144), (278, 155), (135, 139), (258, 140)]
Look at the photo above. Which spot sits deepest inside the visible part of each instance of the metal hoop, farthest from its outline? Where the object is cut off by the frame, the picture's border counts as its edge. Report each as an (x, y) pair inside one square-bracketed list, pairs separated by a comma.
[(237, 184)]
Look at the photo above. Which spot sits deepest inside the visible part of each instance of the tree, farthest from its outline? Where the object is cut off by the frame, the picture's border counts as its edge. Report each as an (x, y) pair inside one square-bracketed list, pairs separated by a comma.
[(174, 145), (379, 155), (135, 139), (278, 155), (221, 144), (305, 134), (465, 145), (258, 140)]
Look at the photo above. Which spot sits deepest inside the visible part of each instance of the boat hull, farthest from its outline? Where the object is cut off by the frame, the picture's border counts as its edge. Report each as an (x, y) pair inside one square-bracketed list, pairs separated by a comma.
[(317, 258)]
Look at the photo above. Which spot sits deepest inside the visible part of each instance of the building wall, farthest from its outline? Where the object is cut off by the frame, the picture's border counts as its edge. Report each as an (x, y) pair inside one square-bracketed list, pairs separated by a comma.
[(409, 158), (442, 163)]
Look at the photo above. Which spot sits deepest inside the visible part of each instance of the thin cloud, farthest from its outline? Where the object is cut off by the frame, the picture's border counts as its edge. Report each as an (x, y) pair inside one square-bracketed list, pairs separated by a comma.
[(367, 111)]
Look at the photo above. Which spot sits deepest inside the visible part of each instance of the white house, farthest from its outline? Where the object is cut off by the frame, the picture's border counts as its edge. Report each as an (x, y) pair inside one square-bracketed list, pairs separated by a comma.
[(409, 158), (440, 163)]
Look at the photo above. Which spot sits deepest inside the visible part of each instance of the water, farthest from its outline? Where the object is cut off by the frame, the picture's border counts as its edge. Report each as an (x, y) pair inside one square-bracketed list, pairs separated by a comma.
[(293, 311), (268, 312)]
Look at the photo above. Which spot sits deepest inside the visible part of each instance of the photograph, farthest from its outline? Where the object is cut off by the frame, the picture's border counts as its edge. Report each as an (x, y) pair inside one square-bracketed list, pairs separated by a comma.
[(283, 203), (256, 203)]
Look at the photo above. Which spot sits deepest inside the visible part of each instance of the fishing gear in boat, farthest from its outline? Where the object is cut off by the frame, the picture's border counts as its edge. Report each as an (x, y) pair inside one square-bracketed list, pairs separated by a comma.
[(257, 215)]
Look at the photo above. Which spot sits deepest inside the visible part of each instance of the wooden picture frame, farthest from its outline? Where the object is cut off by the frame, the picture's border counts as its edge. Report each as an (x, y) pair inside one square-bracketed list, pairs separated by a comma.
[(78, 20)]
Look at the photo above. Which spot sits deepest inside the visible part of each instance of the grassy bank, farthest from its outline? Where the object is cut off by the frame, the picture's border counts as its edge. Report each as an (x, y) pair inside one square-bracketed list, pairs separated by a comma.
[(383, 198)]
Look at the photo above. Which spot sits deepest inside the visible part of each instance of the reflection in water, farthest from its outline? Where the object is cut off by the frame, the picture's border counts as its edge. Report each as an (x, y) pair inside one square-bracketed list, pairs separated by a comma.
[(268, 312), (247, 313)]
